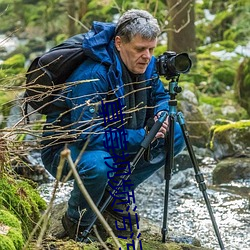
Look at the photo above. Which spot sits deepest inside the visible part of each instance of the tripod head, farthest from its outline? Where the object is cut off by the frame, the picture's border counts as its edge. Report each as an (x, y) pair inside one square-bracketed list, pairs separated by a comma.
[(174, 89)]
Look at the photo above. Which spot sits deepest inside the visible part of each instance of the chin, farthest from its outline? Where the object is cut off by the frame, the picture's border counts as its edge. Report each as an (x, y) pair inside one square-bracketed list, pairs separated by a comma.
[(139, 72)]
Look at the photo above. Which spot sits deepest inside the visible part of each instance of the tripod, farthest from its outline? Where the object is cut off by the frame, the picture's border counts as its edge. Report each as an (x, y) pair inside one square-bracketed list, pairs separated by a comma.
[(173, 90)]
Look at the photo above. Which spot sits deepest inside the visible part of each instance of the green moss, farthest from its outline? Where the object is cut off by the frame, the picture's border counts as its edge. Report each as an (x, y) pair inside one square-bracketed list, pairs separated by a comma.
[(16, 237), (150, 244), (212, 100), (239, 128), (16, 61), (225, 75), (235, 125), (6, 243), (22, 200), (9, 219), (242, 84), (13, 238)]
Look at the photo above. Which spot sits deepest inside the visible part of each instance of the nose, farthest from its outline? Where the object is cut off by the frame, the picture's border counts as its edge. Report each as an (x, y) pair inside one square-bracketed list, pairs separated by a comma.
[(146, 54)]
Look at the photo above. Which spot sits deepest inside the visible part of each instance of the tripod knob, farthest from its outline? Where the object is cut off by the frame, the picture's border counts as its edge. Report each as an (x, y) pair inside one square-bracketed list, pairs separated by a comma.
[(177, 89)]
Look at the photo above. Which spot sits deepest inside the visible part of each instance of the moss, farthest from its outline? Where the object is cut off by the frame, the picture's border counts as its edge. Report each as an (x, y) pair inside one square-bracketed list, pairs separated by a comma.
[(21, 199), (16, 237), (235, 125), (149, 244), (239, 128), (6, 243), (225, 75), (16, 61), (13, 239), (214, 101), (242, 84), (9, 219)]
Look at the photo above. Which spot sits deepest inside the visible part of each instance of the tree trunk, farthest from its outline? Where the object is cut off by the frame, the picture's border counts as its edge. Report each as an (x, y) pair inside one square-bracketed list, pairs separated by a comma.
[(71, 6), (83, 7), (181, 27)]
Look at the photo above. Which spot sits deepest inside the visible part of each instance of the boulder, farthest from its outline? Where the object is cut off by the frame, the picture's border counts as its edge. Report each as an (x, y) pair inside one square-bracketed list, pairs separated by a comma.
[(231, 169), (231, 139)]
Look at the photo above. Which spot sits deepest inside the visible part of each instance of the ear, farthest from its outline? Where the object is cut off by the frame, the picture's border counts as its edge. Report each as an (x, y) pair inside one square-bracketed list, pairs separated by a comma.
[(118, 42)]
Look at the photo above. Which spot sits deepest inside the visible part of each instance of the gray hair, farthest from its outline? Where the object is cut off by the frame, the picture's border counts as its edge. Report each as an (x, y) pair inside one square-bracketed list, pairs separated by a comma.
[(137, 22)]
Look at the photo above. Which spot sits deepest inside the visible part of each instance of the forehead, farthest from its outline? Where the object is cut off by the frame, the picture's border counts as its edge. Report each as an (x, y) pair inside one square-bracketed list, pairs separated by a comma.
[(143, 42)]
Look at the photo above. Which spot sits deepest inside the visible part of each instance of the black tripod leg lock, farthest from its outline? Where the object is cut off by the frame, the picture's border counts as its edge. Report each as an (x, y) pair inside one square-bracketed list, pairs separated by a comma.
[(153, 131)]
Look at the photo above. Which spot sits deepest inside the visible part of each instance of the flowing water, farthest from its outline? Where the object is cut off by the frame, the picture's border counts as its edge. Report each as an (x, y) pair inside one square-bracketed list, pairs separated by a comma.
[(187, 212)]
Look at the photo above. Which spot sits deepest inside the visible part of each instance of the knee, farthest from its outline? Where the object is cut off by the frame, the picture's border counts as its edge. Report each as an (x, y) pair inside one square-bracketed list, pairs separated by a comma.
[(95, 165)]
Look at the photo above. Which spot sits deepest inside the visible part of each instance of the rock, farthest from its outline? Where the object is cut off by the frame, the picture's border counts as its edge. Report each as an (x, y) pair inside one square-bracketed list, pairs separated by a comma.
[(232, 139), (181, 179), (197, 125), (231, 169)]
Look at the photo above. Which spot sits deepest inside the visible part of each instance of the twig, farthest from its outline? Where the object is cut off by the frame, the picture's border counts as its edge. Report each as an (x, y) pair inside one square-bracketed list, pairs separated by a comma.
[(45, 217), (66, 154), (99, 238), (77, 21), (137, 239)]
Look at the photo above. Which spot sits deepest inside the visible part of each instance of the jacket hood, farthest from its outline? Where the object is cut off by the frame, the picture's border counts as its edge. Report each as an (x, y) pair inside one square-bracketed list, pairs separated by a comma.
[(98, 43)]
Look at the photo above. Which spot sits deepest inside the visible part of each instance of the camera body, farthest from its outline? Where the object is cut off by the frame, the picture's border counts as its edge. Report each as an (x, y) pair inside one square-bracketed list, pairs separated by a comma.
[(171, 65)]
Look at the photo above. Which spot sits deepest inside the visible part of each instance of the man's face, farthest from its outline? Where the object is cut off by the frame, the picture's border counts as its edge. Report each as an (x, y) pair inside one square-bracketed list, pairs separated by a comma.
[(137, 53)]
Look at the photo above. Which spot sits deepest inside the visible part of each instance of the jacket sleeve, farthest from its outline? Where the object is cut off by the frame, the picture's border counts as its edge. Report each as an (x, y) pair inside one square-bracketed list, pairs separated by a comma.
[(87, 124)]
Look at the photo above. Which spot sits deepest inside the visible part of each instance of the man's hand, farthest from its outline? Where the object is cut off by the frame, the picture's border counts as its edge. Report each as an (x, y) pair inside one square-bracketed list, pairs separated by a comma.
[(163, 129)]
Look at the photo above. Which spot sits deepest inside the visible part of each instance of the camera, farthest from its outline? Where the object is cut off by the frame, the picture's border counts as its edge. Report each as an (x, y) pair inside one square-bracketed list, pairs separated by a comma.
[(171, 65)]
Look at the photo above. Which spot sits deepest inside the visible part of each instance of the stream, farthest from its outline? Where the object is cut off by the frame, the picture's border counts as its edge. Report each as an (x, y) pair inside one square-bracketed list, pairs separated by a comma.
[(187, 212)]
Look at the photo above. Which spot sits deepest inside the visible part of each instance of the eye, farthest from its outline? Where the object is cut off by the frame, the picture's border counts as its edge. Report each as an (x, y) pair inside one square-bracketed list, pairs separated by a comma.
[(151, 50), (140, 49)]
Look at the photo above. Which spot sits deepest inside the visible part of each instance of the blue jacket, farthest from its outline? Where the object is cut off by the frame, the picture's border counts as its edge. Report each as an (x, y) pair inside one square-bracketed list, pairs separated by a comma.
[(83, 99)]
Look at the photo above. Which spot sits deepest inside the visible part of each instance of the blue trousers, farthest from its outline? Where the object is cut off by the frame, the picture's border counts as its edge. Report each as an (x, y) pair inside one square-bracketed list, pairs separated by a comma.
[(94, 169)]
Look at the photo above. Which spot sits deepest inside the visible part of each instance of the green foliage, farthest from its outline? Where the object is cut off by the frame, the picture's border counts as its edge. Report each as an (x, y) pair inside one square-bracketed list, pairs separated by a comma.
[(229, 23), (17, 61), (214, 101), (242, 84), (12, 67), (224, 75)]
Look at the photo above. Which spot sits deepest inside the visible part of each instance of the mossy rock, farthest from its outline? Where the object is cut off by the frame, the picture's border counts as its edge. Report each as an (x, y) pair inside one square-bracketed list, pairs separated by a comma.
[(11, 237), (232, 139), (21, 199), (219, 107)]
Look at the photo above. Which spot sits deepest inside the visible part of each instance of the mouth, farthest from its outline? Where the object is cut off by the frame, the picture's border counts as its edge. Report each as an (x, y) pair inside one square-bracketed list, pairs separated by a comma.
[(143, 64)]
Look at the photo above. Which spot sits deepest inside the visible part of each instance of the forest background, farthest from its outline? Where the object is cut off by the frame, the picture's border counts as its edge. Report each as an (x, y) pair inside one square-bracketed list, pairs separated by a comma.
[(214, 33)]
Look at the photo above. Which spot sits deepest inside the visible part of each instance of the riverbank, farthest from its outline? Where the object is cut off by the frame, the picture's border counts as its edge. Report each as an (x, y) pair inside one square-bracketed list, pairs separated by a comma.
[(188, 216)]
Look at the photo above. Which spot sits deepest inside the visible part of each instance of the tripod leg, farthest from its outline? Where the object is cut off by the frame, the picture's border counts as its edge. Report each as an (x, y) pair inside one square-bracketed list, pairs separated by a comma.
[(168, 172), (199, 176)]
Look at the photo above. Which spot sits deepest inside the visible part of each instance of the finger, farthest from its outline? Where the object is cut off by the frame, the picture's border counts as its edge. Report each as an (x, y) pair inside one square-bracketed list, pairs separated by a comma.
[(159, 135)]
